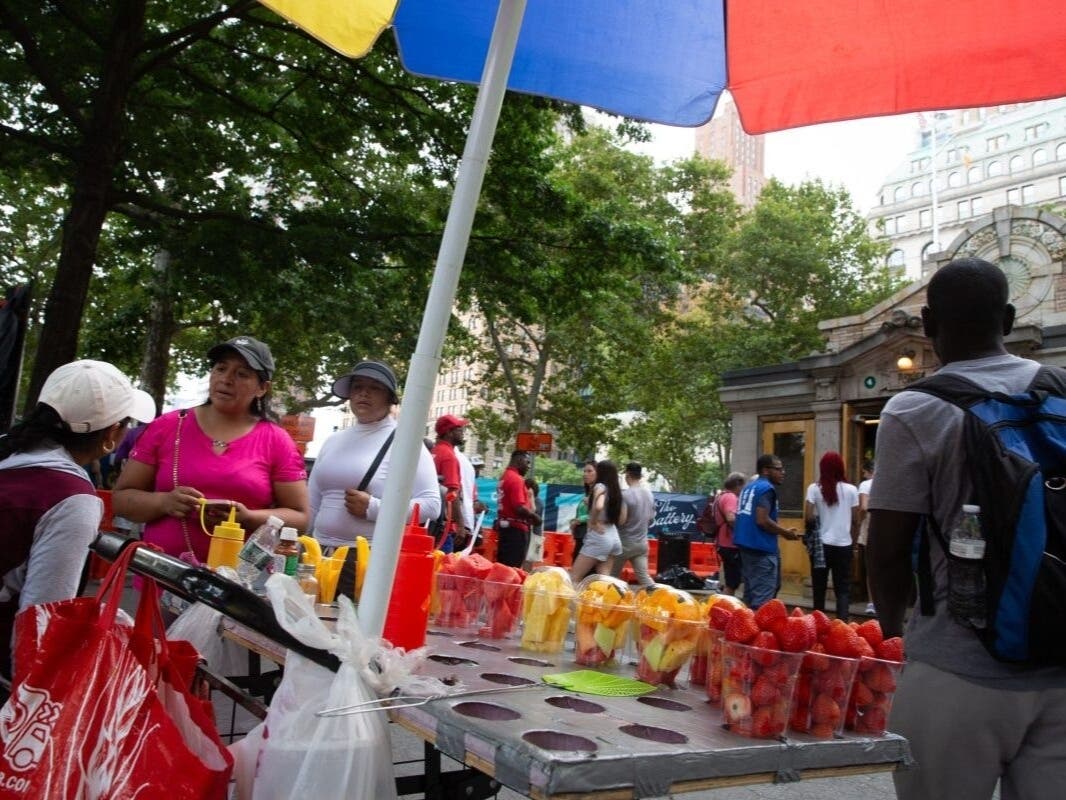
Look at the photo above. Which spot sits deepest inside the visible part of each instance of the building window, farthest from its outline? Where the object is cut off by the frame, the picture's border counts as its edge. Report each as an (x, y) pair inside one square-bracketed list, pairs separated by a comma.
[(1014, 197), (1035, 131), (977, 205), (994, 143), (995, 168), (1017, 164), (895, 259), (1062, 186), (974, 175), (890, 225), (964, 208), (1060, 152), (899, 194), (925, 218), (917, 189), (927, 250), (953, 155), (1028, 194), (1039, 156), (955, 179)]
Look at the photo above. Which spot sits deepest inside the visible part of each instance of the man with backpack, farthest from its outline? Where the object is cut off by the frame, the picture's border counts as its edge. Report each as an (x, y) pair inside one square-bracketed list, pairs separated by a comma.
[(972, 718)]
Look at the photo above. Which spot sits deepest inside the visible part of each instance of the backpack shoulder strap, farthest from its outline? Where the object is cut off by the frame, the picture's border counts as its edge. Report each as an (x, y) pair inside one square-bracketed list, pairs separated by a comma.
[(1049, 379), (955, 389)]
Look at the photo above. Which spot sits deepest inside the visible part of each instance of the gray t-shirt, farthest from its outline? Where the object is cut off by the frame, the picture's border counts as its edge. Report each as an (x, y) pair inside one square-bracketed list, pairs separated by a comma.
[(920, 470), (640, 511)]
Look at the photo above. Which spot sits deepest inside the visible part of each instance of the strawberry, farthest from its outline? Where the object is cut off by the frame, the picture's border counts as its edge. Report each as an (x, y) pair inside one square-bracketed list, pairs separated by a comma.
[(871, 632), (823, 730), (890, 649), (742, 626), (841, 640), (768, 613), (768, 652), (881, 679), (821, 622), (872, 721), (798, 720), (763, 725), (764, 692), (825, 709), (833, 684), (720, 616), (815, 659), (798, 634), (865, 648), (862, 695), (736, 707)]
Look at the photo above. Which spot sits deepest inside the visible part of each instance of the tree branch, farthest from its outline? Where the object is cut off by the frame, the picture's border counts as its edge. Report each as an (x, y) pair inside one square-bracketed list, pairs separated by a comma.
[(43, 143), (41, 68), (170, 45)]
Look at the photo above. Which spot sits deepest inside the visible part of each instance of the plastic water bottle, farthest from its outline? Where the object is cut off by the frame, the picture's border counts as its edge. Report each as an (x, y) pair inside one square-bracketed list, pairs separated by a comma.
[(966, 574), (258, 551)]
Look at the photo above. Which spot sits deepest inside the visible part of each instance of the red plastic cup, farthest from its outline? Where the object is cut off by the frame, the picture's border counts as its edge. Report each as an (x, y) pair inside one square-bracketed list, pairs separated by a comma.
[(871, 696), (820, 701), (757, 687)]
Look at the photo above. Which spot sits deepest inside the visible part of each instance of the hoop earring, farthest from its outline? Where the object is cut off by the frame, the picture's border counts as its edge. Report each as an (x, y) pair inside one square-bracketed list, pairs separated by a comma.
[(109, 447)]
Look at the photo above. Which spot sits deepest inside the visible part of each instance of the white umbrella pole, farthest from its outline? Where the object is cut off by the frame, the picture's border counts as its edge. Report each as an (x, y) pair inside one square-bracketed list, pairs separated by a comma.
[(425, 363)]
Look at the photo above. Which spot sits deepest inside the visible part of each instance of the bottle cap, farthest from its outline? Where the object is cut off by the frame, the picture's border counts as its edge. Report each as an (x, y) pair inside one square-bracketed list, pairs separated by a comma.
[(288, 534), (969, 509), (230, 528), (275, 522)]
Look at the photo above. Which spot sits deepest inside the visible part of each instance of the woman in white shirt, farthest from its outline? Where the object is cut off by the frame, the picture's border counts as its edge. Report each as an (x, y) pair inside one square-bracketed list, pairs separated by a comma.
[(344, 503), (835, 504)]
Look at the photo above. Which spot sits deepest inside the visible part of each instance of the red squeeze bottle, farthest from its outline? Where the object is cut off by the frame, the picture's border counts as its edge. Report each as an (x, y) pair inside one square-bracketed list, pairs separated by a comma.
[(408, 613)]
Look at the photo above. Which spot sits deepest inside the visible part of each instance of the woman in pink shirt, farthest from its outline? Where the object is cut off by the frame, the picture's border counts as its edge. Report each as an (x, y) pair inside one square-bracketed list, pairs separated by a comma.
[(226, 449)]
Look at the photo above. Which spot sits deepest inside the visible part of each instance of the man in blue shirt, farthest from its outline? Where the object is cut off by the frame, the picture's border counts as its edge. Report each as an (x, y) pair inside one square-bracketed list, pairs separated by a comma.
[(756, 530)]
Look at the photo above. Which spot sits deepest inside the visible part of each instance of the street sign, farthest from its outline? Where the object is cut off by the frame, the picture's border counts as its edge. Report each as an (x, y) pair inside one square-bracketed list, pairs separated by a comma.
[(534, 442)]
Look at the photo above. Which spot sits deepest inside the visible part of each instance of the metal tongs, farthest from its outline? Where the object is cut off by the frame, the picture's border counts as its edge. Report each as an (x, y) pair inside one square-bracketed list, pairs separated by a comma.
[(410, 701)]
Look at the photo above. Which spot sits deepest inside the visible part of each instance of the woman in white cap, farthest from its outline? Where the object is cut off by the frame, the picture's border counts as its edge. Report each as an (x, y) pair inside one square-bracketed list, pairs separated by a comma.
[(49, 510), (350, 471), (228, 448)]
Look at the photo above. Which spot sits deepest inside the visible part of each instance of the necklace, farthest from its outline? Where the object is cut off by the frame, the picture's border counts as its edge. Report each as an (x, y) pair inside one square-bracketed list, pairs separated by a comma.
[(219, 444)]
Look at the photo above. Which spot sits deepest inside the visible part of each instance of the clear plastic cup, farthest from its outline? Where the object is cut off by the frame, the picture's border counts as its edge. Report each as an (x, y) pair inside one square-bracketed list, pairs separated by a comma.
[(713, 684), (821, 698), (503, 609), (546, 606), (456, 603), (757, 686), (871, 696), (602, 611), (328, 573), (665, 645)]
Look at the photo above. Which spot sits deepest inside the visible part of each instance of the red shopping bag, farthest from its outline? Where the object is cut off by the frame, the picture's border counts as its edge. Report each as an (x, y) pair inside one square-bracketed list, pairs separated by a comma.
[(99, 709)]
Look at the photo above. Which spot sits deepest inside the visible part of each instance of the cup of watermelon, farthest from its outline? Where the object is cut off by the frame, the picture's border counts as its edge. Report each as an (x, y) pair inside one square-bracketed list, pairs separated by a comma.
[(457, 599), (502, 592), (603, 608)]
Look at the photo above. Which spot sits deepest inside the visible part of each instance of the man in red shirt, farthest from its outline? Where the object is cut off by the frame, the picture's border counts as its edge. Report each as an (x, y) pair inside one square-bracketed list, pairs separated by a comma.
[(451, 433), (515, 514)]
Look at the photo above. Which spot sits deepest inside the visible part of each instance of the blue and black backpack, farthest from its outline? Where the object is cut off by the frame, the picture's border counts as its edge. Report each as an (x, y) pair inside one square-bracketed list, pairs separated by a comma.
[(1015, 451)]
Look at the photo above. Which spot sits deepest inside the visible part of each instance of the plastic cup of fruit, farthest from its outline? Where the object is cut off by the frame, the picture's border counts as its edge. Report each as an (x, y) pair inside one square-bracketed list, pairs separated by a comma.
[(603, 607), (664, 646), (871, 696), (503, 608), (757, 686), (714, 639), (545, 620), (821, 697), (457, 604)]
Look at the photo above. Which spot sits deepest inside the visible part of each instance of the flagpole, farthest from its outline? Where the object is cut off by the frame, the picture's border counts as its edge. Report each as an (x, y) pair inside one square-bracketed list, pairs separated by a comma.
[(425, 363), (932, 188)]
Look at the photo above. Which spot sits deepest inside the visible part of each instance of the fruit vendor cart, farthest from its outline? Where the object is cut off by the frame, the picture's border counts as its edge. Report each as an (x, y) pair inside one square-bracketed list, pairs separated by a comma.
[(513, 727)]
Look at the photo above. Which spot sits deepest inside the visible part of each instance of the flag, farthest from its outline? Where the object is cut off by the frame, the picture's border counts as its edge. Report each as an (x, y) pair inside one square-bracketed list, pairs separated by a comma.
[(350, 27)]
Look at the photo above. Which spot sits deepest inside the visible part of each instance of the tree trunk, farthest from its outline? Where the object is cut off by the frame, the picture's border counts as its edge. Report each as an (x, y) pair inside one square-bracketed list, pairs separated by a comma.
[(156, 360), (101, 150)]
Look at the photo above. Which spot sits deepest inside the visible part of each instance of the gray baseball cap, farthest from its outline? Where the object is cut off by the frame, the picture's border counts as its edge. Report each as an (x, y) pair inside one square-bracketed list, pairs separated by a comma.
[(375, 370), (255, 352)]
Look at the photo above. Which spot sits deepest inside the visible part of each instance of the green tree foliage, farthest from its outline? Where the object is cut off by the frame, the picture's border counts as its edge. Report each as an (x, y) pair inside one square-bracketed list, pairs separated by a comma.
[(801, 255), (220, 171)]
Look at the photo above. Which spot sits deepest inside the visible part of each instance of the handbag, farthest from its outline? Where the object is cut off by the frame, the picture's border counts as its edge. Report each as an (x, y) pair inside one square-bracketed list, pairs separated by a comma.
[(100, 708), (812, 540), (349, 569)]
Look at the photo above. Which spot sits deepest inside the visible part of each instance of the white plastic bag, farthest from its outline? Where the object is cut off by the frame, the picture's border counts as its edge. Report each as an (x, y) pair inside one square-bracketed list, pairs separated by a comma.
[(199, 625), (303, 755)]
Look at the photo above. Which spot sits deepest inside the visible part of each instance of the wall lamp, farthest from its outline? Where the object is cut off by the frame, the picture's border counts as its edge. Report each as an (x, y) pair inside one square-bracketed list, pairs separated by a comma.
[(905, 361)]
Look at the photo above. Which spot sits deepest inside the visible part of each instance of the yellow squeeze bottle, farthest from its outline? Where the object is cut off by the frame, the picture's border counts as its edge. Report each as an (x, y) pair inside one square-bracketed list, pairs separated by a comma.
[(226, 542)]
